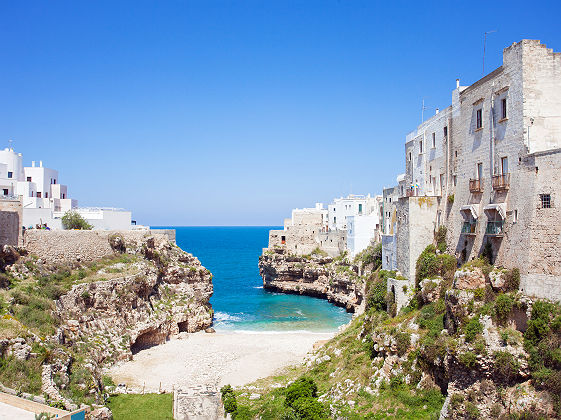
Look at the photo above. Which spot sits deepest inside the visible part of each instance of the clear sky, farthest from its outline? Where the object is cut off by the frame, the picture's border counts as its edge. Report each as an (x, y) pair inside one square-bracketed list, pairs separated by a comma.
[(234, 112)]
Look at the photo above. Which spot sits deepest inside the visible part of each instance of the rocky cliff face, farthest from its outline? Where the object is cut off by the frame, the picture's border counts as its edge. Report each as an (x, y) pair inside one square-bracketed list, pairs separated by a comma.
[(79, 317), (322, 277), (168, 293)]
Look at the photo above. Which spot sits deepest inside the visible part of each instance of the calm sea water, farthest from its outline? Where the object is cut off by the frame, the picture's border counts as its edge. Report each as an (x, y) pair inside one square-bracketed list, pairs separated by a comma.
[(239, 301)]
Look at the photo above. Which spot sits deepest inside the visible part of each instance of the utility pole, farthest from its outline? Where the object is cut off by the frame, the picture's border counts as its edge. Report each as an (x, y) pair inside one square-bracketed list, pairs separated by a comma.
[(485, 42)]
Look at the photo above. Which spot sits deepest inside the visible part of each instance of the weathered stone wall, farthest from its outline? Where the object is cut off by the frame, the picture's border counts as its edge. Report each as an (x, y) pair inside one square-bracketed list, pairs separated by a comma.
[(67, 246), (415, 230), (10, 222)]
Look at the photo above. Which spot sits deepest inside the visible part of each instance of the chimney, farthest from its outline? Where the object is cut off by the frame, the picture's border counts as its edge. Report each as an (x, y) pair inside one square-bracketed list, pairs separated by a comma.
[(457, 83), (33, 164), (40, 164), (437, 110)]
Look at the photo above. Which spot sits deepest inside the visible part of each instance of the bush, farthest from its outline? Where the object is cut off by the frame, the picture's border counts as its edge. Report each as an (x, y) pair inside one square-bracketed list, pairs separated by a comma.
[(472, 328), (229, 399), (468, 359), (308, 408), (538, 325), (371, 255), (430, 265), (441, 239), (506, 367), (503, 307), (403, 341), (73, 220), (301, 388), (512, 280), (376, 294)]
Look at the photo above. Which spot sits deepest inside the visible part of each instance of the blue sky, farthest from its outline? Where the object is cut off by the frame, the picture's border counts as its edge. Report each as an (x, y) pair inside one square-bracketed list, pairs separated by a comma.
[(232, 113)]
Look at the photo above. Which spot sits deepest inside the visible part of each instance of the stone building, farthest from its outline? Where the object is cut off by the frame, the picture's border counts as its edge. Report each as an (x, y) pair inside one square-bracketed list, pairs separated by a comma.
[(10, 221), (488, 168)]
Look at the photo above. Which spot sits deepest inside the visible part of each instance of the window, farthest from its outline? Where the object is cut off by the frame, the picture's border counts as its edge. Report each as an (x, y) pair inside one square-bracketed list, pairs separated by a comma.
[(334, 220), (480, 171), (38, 194), (409, 156), (5, 191), (503, 108), (433, 140), (10, 174), (479, 120), (504, 165), (46, 195), (455, 180), (63, 195), (283, 240), (28, 179), (421, 146), (445, 132), (515, 219), (455, 153), (360, 209), (545, 201)]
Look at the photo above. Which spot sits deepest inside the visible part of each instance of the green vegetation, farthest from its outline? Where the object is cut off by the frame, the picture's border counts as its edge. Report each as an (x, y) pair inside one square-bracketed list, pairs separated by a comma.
[(73, 220), (141, 406), (503, 307), (472, 329), (542, 341), (430, 265), (371, 255)]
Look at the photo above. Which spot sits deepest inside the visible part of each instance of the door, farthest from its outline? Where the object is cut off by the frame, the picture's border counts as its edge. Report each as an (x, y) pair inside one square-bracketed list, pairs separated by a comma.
[(480, 171), (504, 165)]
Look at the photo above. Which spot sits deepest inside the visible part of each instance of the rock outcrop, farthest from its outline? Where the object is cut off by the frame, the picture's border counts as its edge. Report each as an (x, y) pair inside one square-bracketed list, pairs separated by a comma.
[(316, 276), (167, 295)]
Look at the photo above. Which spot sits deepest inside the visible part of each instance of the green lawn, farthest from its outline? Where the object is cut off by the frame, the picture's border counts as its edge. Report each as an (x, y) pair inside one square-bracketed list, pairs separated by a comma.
[(138, 406)]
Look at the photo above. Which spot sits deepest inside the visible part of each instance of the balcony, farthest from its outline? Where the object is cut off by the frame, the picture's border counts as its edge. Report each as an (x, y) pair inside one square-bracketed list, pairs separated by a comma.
[(410, 192), (495, 228), (469, 228), (501, 182), (475, 185)]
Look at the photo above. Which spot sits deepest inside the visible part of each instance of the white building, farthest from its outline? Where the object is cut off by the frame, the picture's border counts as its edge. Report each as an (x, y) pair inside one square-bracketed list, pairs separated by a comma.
[(45, 200), (352, 205), (361, 230)]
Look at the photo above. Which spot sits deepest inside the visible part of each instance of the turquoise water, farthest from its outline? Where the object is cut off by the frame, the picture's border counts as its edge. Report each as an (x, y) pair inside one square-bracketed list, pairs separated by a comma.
[(239, 301)]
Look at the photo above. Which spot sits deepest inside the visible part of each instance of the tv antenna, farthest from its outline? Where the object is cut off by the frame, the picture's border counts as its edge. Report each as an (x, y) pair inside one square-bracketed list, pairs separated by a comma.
[(423, 111), (485, 42)]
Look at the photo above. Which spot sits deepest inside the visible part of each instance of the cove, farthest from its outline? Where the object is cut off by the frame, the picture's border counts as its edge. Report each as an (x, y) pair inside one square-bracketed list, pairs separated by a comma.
[(239, 301)]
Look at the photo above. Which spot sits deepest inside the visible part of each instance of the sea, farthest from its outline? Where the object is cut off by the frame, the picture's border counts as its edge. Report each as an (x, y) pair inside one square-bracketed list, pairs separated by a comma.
[(239, 301)]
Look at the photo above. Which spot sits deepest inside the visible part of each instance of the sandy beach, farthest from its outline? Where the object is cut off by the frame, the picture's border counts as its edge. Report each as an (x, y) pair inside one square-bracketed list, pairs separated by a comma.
[(215, 359)]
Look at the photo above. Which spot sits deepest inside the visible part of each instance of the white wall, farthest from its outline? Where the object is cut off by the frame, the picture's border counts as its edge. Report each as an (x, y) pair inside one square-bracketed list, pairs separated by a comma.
[(360, 231)]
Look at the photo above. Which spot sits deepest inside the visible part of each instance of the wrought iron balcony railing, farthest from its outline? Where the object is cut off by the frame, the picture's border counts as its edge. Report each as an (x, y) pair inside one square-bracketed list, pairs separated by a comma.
[(475, 185), (501, 182), (469, 228), (495, 228)]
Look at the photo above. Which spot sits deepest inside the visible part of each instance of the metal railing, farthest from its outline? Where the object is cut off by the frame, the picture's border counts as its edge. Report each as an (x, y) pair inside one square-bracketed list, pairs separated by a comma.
[(410, 192), (501, 182), (495, 228), (469, 228), (475, 185)]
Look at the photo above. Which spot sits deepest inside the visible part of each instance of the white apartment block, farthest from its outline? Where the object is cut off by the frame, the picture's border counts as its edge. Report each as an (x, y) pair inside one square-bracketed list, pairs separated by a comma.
[(45, 200), (352, 205)]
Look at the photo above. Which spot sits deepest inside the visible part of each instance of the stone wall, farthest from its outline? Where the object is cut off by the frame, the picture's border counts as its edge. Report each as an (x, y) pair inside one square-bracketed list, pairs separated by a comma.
[(67, 246), (10, 222)]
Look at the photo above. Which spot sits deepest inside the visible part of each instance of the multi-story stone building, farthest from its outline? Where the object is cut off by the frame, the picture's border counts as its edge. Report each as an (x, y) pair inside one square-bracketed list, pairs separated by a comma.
[(488, 167)]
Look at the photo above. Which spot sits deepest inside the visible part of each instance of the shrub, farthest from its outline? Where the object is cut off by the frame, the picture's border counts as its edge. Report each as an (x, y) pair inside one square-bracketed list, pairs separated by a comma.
[(503, 306), (471, 411), (308, 408), (506, 367), (301, 388), (468, 359), (376, 294), (512, 280), (441, 239), (430, 265), (451, 199), (371, 255), (403, 341), (472, 328), (538, 325), (228, 399), (456, 400), (73, 220)]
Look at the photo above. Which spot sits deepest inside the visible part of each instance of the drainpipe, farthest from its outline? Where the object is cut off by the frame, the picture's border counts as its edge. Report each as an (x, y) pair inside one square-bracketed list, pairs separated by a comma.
[(492, 131)]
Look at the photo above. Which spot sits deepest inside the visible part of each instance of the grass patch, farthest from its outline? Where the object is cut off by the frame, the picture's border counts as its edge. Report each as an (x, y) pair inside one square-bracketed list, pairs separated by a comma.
[(141, 406)]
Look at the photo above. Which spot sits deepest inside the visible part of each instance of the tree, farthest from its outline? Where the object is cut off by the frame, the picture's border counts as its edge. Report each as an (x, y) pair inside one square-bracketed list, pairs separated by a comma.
[(73, 220)]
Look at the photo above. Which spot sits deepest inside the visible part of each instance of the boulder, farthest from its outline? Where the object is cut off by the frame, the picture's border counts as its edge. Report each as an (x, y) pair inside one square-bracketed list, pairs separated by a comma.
[(469, 279), (430, 290), (498, 280), (102, 413)]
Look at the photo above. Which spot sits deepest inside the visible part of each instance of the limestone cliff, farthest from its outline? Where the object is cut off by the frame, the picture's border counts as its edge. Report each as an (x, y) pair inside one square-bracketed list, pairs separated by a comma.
[(324, 277), (66, 319)]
